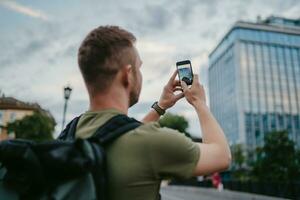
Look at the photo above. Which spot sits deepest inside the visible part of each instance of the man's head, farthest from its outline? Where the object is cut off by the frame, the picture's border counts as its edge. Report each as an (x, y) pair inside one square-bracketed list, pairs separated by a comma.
[(105, 52)]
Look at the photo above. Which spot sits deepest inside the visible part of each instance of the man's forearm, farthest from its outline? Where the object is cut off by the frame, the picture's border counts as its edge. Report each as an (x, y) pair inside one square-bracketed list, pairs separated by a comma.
[(151, 117), (211, 130)]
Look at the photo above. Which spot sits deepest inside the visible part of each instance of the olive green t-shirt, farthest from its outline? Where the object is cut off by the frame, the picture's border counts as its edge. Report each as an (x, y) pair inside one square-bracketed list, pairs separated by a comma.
[(138, 160)]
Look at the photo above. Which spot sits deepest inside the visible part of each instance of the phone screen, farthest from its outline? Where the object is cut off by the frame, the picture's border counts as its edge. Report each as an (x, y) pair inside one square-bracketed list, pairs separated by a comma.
[(185, 72)]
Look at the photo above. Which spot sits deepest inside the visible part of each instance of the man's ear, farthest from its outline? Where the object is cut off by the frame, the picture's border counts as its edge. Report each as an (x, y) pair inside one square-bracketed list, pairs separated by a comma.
[(126, 75)]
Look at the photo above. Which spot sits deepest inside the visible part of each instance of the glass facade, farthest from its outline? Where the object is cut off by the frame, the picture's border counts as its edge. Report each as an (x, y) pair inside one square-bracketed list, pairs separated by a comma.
[(222, 79), (254, 84)]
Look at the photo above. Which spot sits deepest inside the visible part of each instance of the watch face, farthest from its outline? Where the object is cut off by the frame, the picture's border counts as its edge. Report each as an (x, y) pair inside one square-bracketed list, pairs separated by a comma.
[(153, 105)]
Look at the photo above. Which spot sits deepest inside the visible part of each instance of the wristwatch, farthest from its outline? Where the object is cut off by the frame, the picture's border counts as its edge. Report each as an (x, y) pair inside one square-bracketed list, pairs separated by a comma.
[(157, 108)]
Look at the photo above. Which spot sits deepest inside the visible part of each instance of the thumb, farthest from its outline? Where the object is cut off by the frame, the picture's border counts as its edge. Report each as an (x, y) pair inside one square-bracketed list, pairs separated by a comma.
[(184, 86)]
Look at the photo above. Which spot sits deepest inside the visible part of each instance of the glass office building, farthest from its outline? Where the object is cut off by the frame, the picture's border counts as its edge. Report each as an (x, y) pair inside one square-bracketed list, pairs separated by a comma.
[(254, 80)]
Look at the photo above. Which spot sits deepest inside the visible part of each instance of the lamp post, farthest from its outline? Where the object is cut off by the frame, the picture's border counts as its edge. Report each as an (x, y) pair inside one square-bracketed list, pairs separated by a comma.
[(67, 94)]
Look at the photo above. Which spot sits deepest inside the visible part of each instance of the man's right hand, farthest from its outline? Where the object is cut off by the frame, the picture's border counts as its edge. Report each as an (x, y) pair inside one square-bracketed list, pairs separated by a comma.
[(195, 95), (215, 153)]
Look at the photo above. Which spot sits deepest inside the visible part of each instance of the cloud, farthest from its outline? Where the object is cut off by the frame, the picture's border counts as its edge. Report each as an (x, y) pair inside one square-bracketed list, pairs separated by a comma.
[(12, 5), (155, 19), (38, 59), (158, 17)]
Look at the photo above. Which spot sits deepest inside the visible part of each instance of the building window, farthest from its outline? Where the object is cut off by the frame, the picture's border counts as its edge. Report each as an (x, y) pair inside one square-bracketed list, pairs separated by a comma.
[(12, 117)]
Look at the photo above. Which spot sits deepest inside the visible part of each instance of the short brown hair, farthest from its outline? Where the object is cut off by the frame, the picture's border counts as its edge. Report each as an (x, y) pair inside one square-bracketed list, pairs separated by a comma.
[(102, 53)]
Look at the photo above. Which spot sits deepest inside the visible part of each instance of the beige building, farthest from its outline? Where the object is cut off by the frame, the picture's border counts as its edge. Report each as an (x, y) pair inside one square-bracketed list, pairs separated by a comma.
[(12, 109)]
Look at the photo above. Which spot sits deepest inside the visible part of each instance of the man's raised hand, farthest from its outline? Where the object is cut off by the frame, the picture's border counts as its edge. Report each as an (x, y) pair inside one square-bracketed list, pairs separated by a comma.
[(168, 98), (195, 94)]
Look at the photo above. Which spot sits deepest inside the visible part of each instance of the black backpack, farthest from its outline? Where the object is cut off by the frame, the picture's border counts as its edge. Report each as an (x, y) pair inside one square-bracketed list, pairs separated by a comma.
[(66, 168)]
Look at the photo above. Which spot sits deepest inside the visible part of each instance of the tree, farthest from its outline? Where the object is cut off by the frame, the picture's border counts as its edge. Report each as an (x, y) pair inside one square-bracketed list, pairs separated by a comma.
[(277, 160), (239, 163), (176, 122), (238, 155), (37, 127)]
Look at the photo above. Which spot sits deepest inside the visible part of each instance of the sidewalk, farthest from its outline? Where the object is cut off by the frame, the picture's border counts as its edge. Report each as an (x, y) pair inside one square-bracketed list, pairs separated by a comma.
[(197, 193)]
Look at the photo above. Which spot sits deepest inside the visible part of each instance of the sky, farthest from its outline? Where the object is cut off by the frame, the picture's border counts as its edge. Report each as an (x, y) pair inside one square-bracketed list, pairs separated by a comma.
[(39, 42)]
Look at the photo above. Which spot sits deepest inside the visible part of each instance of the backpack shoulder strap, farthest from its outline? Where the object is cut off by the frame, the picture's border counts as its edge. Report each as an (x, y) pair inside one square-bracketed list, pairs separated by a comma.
[(114, 128), (69, 132)]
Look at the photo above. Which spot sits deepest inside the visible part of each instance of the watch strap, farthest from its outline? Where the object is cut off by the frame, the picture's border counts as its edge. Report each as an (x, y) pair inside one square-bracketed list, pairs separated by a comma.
[(158, 109)]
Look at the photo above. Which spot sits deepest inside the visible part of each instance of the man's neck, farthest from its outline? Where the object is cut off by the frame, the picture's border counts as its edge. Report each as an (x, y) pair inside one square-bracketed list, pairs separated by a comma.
[(116, 100)]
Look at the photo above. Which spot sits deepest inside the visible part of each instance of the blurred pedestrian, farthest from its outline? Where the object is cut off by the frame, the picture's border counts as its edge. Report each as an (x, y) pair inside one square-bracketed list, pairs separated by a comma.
[(217, 181)]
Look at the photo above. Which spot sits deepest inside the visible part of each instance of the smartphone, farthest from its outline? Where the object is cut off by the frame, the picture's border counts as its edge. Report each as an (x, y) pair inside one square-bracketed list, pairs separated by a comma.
[(185, 72)]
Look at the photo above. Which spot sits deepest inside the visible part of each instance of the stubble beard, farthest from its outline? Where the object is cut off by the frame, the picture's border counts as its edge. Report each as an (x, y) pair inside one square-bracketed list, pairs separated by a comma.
[(134, 97), (135, 93)]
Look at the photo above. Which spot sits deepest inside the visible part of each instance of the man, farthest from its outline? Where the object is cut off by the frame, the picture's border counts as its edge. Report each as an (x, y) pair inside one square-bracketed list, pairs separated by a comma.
[(138, 160)]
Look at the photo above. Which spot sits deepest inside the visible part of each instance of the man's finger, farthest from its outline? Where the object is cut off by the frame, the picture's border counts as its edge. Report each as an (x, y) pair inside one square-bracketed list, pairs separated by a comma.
[(176, 83), (172, 77), (179, 96), (184, 86), (195, 79)]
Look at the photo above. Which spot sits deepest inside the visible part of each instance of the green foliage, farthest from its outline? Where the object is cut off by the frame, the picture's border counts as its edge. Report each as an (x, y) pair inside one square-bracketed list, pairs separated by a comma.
[(239, 163), (37, 127), (238, 156), (176, 122), (278, 160)]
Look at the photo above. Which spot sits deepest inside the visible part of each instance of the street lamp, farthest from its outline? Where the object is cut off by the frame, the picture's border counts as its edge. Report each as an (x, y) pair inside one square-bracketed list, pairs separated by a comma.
[(67, 94)]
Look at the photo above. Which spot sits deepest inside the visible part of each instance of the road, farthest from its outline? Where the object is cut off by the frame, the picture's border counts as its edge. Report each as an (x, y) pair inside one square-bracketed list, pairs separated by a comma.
[(193, 193)]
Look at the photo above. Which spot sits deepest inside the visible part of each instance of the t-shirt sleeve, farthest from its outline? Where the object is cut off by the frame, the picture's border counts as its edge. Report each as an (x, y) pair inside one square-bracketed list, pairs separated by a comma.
[(172, 154)]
